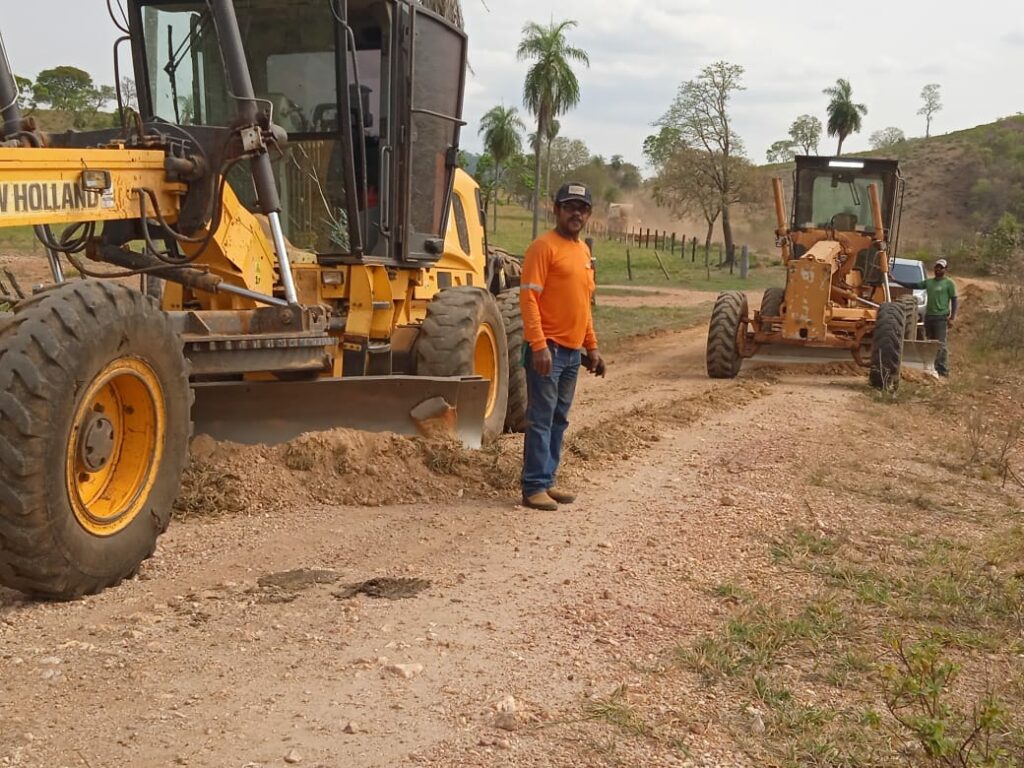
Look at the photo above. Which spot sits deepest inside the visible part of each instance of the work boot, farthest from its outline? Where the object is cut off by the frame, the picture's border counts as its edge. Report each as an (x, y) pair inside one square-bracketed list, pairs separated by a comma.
[(562, 497), (540, 500)]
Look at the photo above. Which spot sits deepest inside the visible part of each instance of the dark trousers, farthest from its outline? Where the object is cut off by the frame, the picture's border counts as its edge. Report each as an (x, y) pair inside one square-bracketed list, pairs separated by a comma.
[(548, 399), (935, 328)]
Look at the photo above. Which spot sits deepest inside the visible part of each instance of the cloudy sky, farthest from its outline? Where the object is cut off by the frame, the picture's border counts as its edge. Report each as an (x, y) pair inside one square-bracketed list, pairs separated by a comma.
[(641, 50)]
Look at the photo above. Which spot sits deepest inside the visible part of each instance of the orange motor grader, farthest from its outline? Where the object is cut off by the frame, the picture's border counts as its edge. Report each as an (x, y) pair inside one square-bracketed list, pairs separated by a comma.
[(838, 303), (277, 240)]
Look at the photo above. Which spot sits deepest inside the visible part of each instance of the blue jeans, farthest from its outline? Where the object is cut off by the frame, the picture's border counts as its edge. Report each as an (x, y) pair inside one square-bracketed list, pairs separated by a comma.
[(548, 399)]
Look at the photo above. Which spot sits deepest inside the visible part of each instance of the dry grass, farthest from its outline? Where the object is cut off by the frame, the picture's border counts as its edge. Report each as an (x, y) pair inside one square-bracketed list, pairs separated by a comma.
[(896, 637)]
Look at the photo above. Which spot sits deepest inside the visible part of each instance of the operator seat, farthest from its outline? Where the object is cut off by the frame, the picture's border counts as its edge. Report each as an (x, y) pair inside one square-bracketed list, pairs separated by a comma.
[(844, 222)]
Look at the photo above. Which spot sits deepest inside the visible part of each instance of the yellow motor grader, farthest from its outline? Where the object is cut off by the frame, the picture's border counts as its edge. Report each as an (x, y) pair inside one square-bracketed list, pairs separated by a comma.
[(838, 303), (277, 240)]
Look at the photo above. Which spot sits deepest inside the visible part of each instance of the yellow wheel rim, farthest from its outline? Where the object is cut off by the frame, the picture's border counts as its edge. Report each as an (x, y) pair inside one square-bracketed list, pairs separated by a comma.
[(485, 363), (115, 446)]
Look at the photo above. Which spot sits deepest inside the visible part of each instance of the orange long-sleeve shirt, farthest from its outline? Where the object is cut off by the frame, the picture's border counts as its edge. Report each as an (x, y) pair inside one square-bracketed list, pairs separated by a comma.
[(556, 286)]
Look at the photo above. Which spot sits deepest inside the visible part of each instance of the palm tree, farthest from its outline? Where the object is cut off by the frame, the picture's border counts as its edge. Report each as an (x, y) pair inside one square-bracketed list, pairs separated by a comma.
[(500, 128), (549, 136), (551, 87), (843, 115)]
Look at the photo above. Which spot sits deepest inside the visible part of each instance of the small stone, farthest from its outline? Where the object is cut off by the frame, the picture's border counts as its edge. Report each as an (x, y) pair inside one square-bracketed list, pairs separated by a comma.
[(727, 501), (51, 660), (506, 717), (293, 757), (756, 720), (406, 671), (351, 727), (503, 744)]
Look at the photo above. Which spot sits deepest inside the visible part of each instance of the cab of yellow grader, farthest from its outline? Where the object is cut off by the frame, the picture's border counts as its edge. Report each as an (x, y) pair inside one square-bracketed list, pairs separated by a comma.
[(838, 303), (369, 93)]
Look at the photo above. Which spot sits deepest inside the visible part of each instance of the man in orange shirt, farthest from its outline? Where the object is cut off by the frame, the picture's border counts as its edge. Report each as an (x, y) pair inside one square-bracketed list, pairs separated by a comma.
[(556, 286)]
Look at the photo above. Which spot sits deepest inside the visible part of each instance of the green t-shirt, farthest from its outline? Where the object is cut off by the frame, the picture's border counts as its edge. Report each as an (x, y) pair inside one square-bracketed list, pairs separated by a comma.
[(940, 291)]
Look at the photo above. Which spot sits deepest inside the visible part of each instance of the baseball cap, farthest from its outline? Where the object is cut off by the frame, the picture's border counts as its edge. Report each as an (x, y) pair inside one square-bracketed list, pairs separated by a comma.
[(573, 190), (941, 263)]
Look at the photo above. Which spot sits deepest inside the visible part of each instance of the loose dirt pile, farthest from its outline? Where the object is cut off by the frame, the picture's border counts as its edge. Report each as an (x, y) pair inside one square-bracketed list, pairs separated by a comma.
[(344, 466), (340, 466)]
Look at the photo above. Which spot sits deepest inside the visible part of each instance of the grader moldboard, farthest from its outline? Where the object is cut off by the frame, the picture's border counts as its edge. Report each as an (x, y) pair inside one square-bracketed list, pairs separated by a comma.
[(838, 303), (307, 254)]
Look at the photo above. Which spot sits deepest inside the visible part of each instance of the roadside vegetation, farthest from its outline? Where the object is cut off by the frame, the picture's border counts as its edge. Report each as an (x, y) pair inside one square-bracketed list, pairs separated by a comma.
[(513, 234), (892, 633)]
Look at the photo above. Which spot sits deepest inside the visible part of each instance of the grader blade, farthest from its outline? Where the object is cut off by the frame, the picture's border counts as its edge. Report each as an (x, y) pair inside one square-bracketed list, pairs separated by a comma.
[(799, 354), (277, 411), (920, 355)]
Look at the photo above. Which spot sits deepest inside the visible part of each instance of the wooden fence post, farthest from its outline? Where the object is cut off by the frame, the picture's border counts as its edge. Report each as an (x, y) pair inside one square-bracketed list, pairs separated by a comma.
[(662, 265), (744, 262), (629, 266), (693, 250), (707, 260), (673, 251)]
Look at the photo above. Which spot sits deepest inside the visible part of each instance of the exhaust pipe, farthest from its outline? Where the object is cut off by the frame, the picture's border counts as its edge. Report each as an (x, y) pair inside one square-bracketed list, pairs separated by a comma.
[(9, 109)]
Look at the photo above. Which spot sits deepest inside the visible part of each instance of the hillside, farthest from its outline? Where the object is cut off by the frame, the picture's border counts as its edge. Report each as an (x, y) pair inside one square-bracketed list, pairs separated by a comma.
[(957, 187)]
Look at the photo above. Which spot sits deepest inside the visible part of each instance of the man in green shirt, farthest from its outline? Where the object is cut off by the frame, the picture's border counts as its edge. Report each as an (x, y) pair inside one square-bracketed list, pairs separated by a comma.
[(939, 312)]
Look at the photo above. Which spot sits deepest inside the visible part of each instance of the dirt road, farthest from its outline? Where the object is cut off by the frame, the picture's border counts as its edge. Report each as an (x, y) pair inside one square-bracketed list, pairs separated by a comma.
[(222, 653)]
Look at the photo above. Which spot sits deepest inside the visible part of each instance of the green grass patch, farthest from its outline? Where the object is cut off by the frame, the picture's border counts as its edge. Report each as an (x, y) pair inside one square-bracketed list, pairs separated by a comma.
[(616, 710), (615, 326), (513, 233), (19, 238)]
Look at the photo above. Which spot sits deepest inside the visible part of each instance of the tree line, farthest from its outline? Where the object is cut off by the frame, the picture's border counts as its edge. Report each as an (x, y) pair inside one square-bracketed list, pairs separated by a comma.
[(71, 90), (844, 118), (550, 89)]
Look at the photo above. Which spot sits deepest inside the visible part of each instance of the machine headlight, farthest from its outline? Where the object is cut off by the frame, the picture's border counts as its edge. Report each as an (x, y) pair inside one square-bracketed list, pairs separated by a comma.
[(96, 180)]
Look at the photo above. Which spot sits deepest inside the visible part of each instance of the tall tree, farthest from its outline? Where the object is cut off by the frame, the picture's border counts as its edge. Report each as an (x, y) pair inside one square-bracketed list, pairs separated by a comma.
[(806, 131), (551, 87), (681, 183), (932, 103), (65, 88), (843, 115), (699, 117), (554, 126), (129, 93), (887, 137), (566, 156), (500, 129), (781, 151)]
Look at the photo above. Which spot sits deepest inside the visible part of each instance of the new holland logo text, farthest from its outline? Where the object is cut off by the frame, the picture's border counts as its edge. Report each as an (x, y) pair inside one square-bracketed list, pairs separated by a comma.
[(28, 197)]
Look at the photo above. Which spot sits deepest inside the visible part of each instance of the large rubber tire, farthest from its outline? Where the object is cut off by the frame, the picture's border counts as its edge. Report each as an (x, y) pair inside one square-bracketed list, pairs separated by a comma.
[(723, 350), (909, 304), (515, 412), (94, 428), (771, 303), (887, 347), (463, 334)]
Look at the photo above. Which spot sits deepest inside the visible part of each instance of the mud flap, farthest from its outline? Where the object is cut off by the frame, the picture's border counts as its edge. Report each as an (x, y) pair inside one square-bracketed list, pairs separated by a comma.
[(278, 411)]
